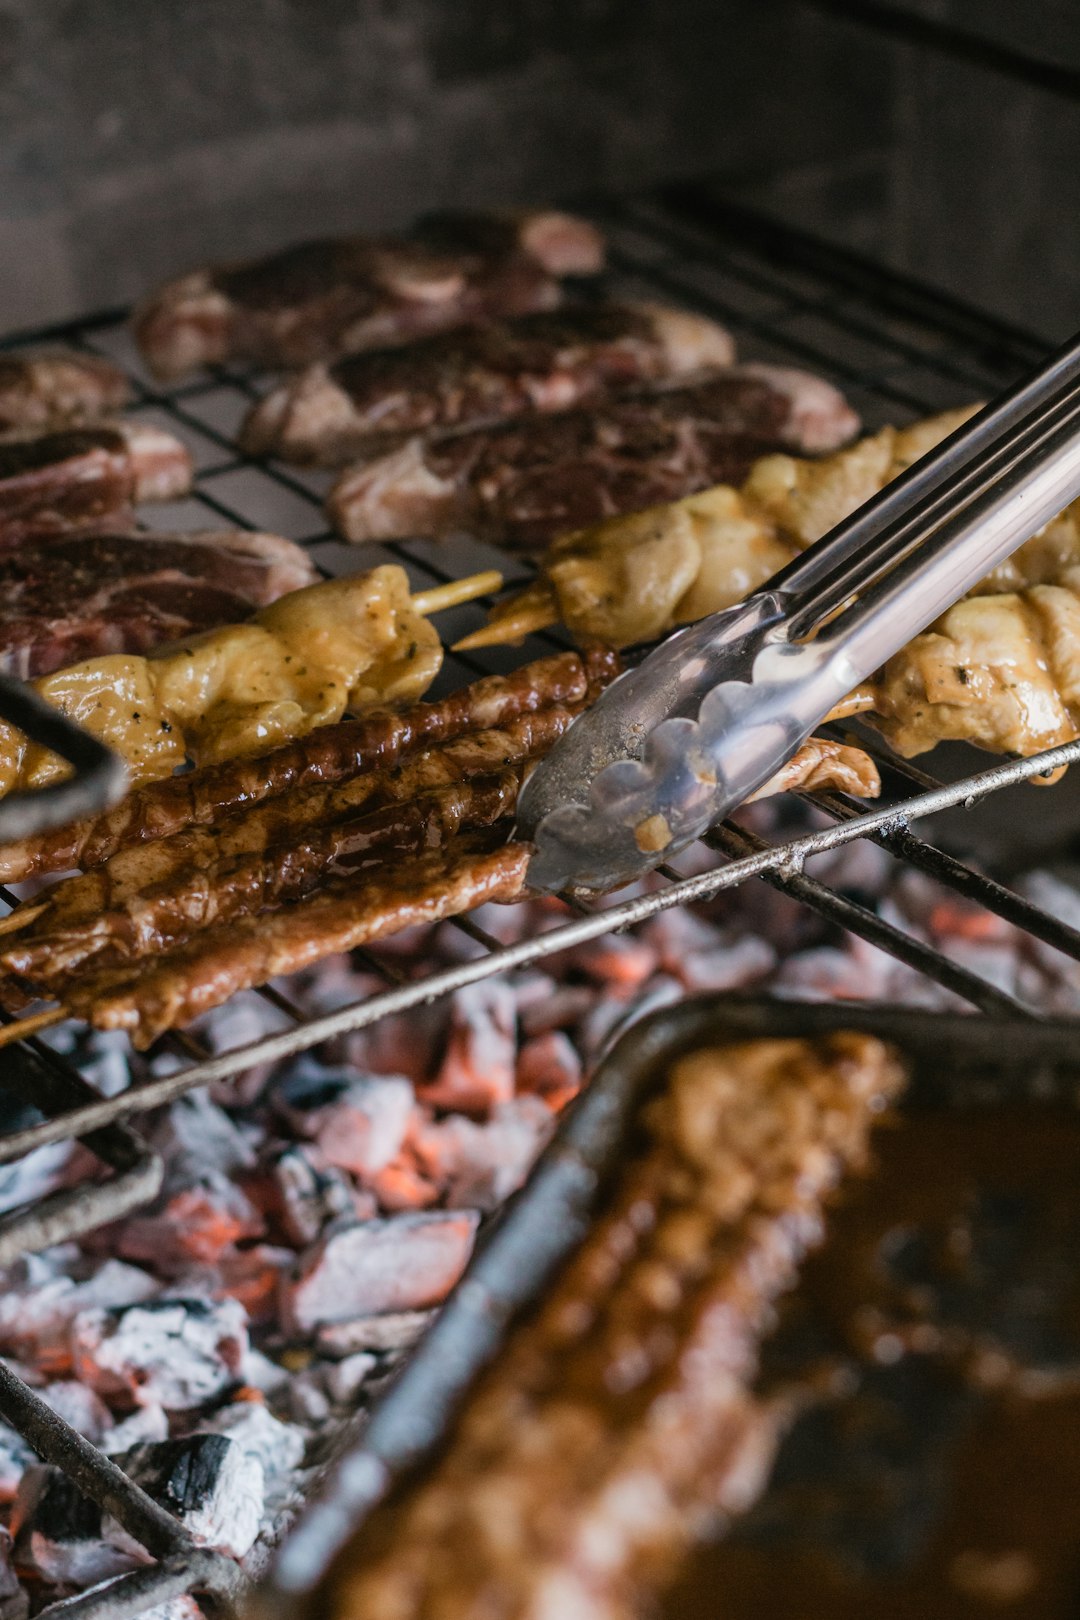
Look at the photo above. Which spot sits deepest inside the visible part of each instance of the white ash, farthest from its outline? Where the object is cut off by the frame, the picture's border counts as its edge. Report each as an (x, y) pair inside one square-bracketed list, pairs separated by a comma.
[(14, 1599), (480, 1165), (16, 1456), (38, 1305), (358, 1122), (175, 1353), (145, 1423), (210, 1483), (310, 1194), (63, 1536), (278, 1447), (393, 1331), (81, 1407)]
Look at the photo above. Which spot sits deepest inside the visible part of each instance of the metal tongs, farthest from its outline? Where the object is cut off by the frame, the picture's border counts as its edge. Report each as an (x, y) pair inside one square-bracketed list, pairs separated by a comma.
[(677, 743)]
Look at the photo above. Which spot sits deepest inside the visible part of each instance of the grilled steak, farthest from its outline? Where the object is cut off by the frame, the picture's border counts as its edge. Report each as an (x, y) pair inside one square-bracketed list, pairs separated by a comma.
[(83, 478), (50, 388), (67, 598), (526, 483), (535, 364), (324, 298)]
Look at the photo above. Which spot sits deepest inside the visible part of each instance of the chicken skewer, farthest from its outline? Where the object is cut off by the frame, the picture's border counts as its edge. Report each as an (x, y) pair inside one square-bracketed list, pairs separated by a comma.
[(536, 364), (43, 389), (635, 578), (523, 483), (318, 299), (333, 752), (298, 664)]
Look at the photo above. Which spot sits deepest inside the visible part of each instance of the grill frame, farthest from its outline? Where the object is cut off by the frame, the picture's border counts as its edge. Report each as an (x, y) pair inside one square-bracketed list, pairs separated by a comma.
[(899, 350)]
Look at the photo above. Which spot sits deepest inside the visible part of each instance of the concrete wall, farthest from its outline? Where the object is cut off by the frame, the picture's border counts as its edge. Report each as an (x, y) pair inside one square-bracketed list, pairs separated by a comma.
[(138, 137)]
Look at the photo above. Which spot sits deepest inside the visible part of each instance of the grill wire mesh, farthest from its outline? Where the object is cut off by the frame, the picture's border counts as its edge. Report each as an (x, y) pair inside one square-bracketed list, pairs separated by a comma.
[(898, 351)]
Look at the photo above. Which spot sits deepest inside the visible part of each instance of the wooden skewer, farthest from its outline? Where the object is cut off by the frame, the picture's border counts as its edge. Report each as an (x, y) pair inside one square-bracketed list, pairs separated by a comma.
[(22, 1028), (457, 591), (523, 615), (863, 698), (20, 917)]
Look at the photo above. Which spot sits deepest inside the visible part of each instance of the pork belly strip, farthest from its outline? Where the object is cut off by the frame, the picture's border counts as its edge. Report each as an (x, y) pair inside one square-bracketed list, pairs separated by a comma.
[(66, 598), (533, 365), (172, 911), (83, 478), (374, 741), (52, 388), (120, 899), (525, 483), (619, 1423), (347, 913), (319, 299)]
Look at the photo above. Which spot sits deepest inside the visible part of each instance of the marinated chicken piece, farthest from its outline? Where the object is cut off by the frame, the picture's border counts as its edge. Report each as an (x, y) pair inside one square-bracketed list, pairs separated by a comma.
[(298, 664), (324, 298), (333, 753), (83, 478), (533, 365), (620, 1422), (66, 598), (42, 389), (635, 578), (524, 483), (1001, 671)]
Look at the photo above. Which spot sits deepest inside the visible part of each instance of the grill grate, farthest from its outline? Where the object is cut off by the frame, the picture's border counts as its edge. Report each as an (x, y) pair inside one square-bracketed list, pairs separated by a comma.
[(899, 351)]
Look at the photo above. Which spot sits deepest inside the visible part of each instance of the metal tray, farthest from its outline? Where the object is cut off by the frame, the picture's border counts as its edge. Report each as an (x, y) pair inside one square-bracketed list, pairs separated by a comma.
[(955, 1062)]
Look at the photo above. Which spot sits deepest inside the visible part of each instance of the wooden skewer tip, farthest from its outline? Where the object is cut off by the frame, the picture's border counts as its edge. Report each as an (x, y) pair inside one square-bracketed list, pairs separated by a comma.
[(23, 1028), (456, 591), (20, 917), (510, 627)]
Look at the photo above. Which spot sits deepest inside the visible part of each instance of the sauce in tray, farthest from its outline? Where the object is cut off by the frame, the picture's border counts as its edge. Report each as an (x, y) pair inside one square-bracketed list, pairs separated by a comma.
[(930, 1361)]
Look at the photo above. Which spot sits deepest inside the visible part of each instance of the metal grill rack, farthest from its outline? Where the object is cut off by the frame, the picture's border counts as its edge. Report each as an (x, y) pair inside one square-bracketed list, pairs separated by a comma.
[(899, 351)]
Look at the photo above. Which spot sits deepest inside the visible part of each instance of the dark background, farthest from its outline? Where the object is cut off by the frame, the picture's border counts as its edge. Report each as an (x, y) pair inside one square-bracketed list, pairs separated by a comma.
[(138, 137)]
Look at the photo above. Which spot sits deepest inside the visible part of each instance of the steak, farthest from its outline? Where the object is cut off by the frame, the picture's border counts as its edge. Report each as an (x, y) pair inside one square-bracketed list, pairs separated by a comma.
[(68, 598), (50, 388), (526, 482), (323, 298)]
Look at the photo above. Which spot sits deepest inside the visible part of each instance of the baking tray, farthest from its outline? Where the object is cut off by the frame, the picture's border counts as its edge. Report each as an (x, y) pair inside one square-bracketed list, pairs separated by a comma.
[(955, 1062)]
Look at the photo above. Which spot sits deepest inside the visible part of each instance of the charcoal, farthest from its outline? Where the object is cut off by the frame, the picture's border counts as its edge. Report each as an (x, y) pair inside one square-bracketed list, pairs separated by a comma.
[(183, 1607), (549, 1066), (195, 1136), (343, 1380), (358, 1122), (14, 1602), (478, 1166), (393, 1331), (196, 1223), (175, 1353), (213, 1486), (62, 1535), (145, 1423), (477, 1069), (278, 1447), (306, 1196), (15, 1458), (80, 1407), (402, 1262), (37, 1307)]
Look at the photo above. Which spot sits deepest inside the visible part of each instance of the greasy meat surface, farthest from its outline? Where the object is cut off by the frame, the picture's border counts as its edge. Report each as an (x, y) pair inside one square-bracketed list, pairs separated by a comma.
[(84, 478), (347, 913), (633, 578), (330, 754), (323, 298), (535, 364), (620, 1419), (298, 664), (52, 388), (68, 598), (1000, 671), (523, 484)]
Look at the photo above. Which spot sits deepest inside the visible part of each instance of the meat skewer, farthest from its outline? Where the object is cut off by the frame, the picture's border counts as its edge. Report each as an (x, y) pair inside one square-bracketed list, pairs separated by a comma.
[(634, 578), (525, 483), (225, 958), (621, 1416), (169, 913), (533, 365), (374, 741), (42, 389), (298, 664), (86, 477), (323, 298), (68, 598), (161, 877)]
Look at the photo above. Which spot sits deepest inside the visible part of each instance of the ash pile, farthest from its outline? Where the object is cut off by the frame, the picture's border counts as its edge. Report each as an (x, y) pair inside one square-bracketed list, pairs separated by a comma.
[(314, 1214)]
